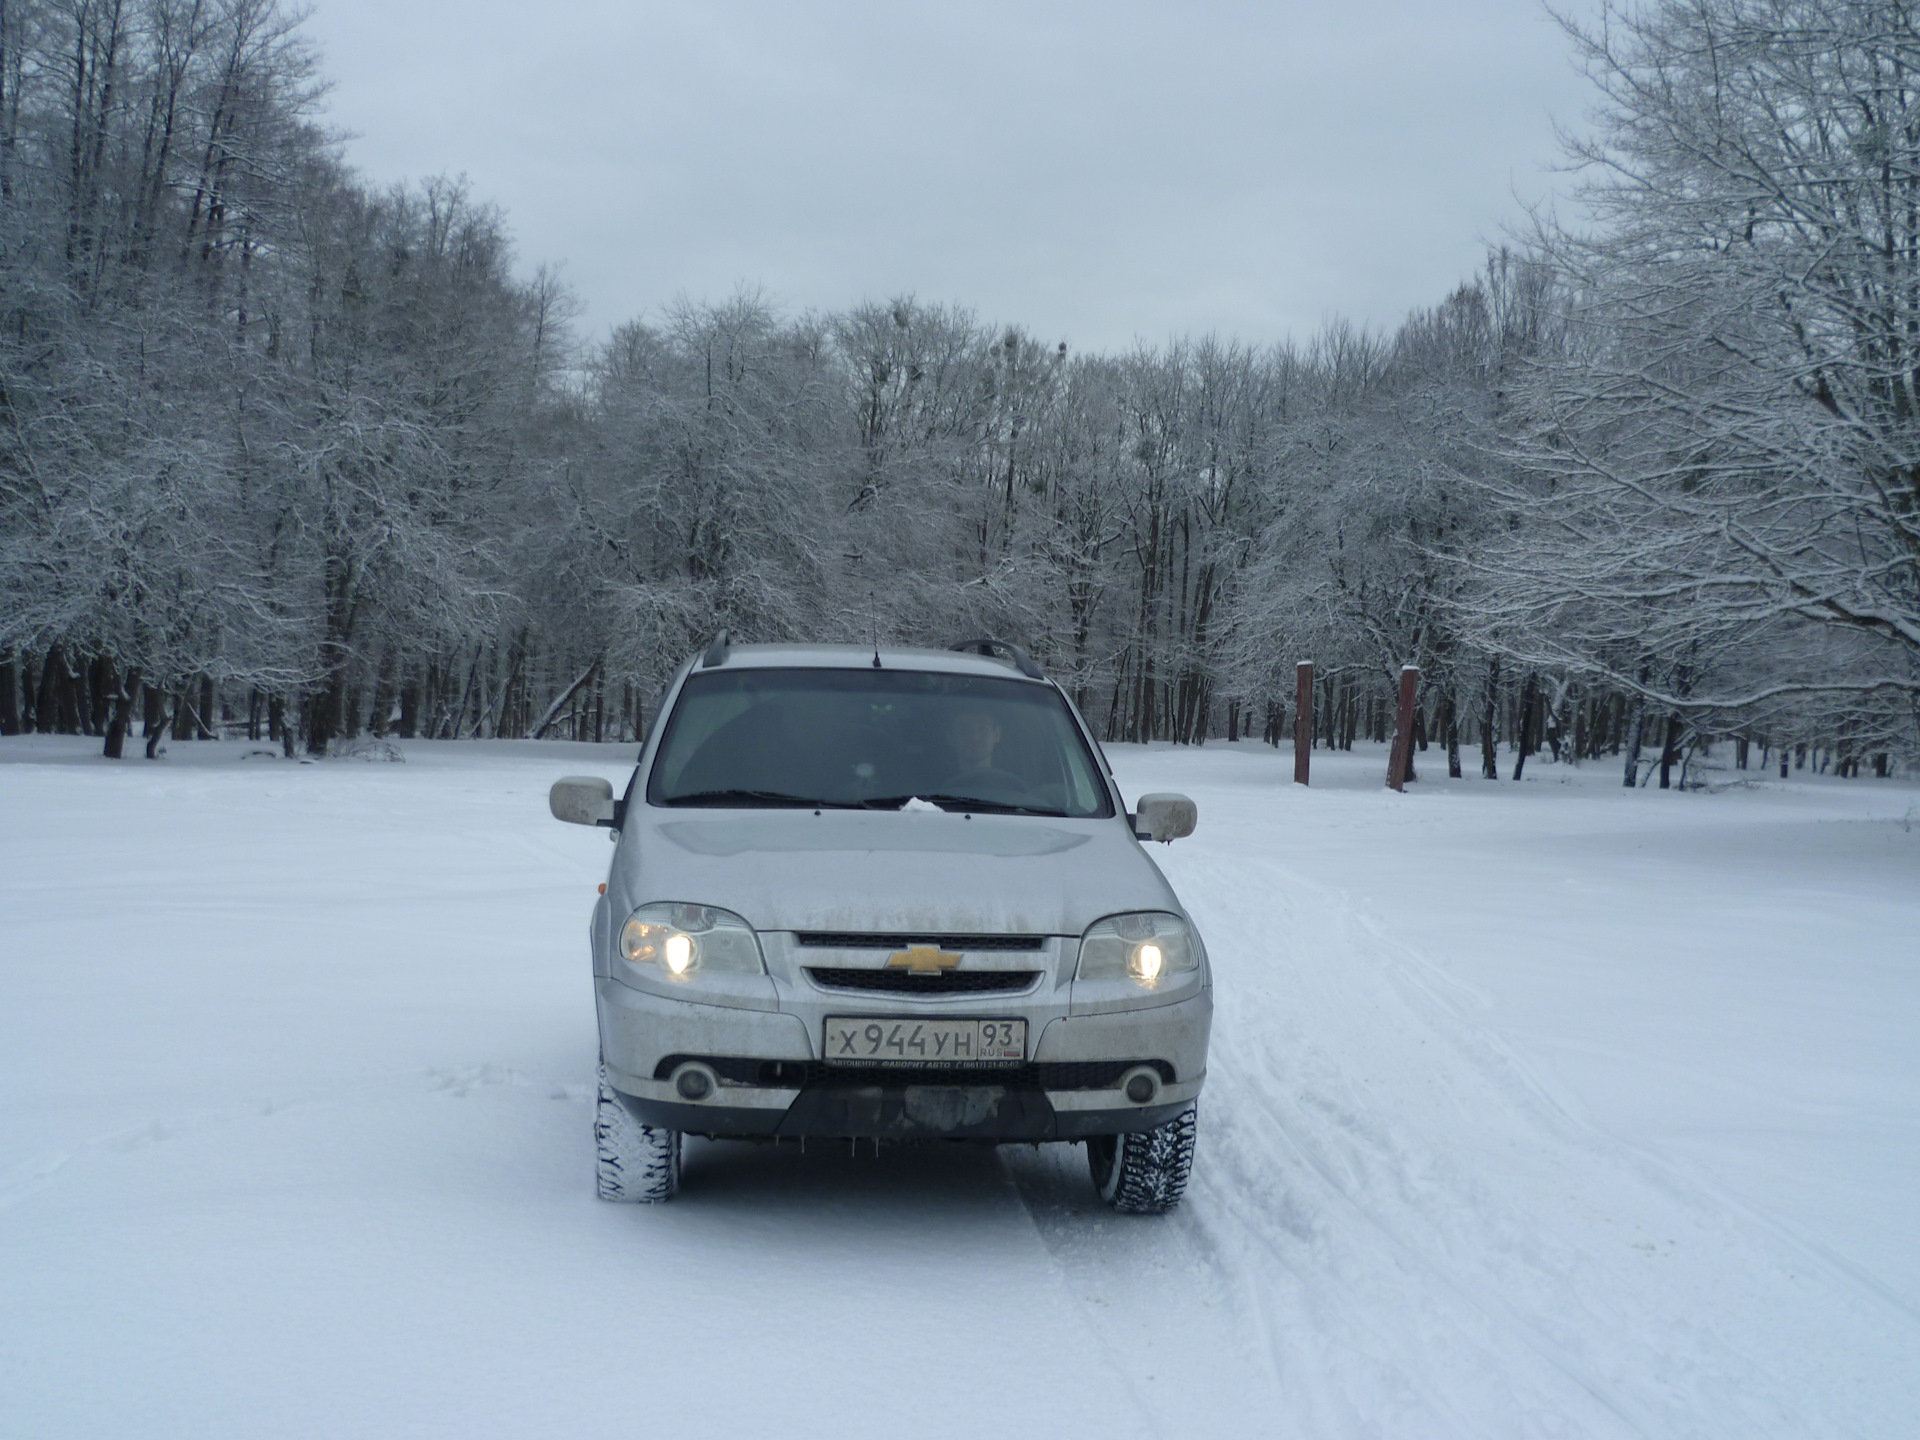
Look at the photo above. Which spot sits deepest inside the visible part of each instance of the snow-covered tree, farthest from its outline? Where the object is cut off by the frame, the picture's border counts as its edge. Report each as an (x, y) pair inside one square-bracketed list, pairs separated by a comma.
[(1723, 509)]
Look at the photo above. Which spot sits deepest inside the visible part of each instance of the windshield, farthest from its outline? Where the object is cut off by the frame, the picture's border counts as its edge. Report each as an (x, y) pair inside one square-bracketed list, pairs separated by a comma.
[(875, 739)]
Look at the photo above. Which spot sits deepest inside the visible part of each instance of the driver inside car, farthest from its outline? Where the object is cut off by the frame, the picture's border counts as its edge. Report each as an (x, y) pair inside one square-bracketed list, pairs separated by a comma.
[(975, 736)]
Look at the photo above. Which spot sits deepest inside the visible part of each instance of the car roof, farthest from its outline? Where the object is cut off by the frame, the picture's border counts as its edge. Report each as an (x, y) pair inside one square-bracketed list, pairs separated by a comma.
[(860, 657)]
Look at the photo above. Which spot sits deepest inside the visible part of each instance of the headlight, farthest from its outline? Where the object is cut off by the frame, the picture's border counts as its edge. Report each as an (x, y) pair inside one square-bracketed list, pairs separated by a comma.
[(1147, 947), (683, 940)]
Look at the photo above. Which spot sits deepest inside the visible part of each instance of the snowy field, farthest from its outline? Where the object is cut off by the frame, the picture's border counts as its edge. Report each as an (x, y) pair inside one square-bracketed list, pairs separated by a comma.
[(1545, 1109)]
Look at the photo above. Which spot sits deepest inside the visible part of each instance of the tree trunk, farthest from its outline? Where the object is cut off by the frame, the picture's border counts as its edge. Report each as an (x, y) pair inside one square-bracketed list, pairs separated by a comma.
[(1450, 730), (1636, 733), (9, 694), (67, 699), (1303, 713), (1529, 694), (327, 707), (409, 723), (122, 717), (32, 676), (1669, 751), (560, 702), (1406, 712), (155, 731), (101, 692), (55, 698), (324, 710), (382, 696), (78, 695), (1489, 755)]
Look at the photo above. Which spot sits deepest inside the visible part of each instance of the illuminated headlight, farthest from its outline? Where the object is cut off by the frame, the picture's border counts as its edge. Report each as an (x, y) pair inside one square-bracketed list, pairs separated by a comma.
[(1147, 947), (686, 940)]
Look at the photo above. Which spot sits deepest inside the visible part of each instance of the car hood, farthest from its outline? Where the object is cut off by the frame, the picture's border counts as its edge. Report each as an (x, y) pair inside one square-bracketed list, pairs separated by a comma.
[(891, 871)]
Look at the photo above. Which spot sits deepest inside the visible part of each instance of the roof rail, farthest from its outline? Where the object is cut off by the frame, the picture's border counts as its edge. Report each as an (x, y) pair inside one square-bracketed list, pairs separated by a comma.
[(987, 645), (716, 652)]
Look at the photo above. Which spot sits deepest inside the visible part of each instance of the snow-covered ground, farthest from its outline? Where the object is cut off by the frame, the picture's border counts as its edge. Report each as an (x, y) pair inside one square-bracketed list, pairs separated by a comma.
[(1545, 1109)]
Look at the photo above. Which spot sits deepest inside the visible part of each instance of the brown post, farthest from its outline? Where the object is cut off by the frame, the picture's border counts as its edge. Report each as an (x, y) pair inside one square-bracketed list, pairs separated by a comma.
[(1402, 755), (1302, 719)]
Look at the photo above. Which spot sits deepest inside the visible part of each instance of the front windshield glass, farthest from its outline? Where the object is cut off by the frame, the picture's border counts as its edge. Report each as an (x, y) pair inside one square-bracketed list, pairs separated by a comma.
[(875, 739)]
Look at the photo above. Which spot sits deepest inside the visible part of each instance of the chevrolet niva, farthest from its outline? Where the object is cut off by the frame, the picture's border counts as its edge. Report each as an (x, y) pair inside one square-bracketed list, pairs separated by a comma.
[(889, 895)]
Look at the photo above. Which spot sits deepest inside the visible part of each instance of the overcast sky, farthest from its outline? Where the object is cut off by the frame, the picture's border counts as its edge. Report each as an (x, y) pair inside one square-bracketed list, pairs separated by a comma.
[(1097, 173)]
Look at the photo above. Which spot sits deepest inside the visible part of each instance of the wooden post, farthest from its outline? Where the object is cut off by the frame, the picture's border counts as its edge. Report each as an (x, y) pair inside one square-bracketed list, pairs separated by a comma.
[(1402, 754), (1302, 719)]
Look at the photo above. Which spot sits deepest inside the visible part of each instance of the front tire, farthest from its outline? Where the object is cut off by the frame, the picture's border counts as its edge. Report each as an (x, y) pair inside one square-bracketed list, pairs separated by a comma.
[(633, 1162), (1144, 1173)]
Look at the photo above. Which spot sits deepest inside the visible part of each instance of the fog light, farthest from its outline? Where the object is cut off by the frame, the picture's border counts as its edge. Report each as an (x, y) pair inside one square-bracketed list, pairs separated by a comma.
[(1141, 1084), (693, 1084)]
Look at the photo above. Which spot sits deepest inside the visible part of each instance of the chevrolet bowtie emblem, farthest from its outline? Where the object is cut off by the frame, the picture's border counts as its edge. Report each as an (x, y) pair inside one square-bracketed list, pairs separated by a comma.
[(922, 959)]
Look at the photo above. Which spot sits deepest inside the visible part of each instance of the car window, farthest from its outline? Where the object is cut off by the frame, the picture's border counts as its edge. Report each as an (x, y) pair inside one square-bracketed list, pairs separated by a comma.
[(874, 738)]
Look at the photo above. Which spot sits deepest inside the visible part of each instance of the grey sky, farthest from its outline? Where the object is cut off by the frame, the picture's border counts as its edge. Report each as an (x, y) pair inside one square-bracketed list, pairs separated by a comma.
[(1094, 172)]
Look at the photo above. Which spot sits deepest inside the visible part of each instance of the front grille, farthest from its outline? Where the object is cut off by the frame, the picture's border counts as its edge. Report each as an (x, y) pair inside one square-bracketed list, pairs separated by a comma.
[(859, 940), (905, 982), (821, 1076)]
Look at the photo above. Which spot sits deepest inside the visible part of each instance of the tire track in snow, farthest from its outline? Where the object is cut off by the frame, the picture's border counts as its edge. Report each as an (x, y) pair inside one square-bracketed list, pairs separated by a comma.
[(1435, 1348), (1395, 1229), (1605, 1291)]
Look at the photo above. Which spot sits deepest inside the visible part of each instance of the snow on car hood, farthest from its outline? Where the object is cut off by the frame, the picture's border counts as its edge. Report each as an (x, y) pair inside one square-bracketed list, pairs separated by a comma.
[(891, 870)]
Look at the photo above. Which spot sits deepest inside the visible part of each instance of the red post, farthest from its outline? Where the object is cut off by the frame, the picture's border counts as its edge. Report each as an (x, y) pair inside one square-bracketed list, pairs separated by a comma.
[(1401, 759), (1302, 719)]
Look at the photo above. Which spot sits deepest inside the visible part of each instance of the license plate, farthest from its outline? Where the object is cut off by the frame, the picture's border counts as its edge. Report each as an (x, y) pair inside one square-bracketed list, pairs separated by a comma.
[(875, 1040)]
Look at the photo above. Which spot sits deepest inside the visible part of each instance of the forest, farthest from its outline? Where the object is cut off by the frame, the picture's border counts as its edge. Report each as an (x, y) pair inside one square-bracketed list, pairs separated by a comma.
[(287, 456)]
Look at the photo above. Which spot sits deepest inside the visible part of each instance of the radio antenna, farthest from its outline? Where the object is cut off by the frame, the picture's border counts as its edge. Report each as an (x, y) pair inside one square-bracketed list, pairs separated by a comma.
[(873, 612)]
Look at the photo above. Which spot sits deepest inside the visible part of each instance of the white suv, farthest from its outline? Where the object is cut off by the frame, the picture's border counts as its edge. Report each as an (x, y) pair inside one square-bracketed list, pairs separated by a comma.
[(889, 895)]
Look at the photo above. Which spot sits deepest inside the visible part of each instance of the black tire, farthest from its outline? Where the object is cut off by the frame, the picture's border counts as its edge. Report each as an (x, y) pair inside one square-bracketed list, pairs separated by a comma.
[(1144, 1173), (633, 1162)]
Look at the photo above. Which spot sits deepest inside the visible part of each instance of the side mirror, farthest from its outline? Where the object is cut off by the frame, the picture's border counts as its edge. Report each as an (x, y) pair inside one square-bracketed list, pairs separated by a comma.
[(581, 800), (1164, 816)]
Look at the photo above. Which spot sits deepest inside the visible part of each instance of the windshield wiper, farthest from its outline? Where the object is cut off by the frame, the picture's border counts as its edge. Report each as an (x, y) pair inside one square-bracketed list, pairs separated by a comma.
[(757, 797), (959, 802)]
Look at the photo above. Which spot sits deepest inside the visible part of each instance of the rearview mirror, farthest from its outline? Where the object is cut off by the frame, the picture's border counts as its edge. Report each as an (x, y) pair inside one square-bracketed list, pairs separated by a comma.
[(1164, 816), (581, 800)]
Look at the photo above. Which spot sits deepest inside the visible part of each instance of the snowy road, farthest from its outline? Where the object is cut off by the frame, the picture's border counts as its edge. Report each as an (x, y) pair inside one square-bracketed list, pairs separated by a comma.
[(1537, 1110)]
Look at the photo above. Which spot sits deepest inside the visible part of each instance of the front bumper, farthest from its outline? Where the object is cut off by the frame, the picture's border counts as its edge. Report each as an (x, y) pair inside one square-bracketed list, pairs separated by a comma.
[(990, 1114), (773, 1084)]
